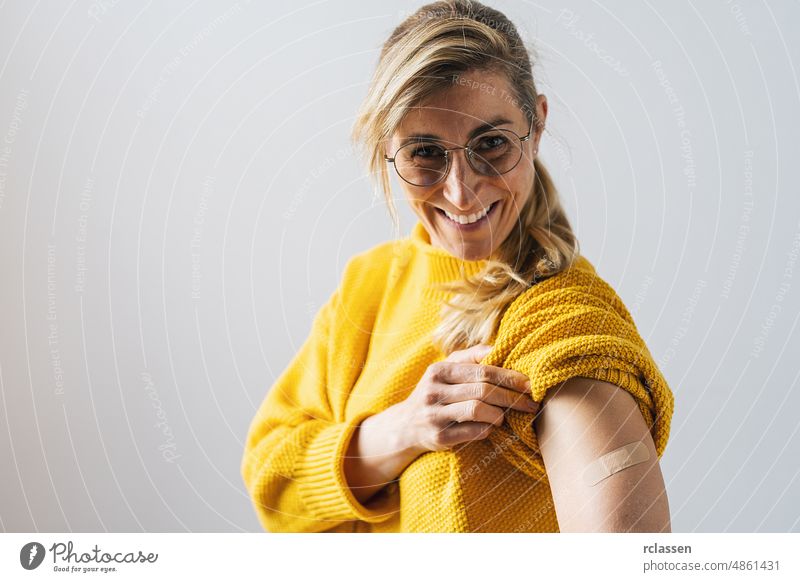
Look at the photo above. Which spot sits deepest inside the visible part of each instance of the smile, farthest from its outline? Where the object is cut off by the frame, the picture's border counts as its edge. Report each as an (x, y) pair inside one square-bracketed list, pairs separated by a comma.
[(470, 221)]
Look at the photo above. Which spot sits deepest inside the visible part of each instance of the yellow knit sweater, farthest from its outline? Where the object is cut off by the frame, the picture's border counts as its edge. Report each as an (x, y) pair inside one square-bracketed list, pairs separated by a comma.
[(368, 347)]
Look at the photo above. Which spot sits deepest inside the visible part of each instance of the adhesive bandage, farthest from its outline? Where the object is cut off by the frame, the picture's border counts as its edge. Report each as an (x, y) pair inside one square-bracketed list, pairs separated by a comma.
[(615, 461)]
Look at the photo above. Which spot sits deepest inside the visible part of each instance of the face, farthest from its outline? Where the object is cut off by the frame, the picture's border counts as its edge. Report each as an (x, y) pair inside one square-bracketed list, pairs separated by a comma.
[(450, 118)]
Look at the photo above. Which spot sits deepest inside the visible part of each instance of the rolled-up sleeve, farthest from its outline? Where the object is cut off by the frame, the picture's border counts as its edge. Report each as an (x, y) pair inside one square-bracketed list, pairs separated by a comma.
[(568, 326)]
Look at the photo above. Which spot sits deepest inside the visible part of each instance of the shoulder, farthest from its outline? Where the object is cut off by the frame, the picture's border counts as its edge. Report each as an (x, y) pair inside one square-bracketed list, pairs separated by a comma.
[(583, 405), (372, 265), (574, 290), (364, 279)]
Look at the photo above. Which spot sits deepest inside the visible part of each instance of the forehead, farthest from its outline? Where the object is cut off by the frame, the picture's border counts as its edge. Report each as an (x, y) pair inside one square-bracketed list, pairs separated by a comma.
[(473, 98)]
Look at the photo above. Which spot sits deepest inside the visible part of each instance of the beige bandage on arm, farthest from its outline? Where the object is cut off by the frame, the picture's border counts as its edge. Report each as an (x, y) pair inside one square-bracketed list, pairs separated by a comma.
[(615, 461)]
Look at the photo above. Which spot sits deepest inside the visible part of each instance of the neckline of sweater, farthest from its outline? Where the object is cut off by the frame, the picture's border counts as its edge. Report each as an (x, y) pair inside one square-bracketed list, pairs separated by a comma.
[(441, 266)]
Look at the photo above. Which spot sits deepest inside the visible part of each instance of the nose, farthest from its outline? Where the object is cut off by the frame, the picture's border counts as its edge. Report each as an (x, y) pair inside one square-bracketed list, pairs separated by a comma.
[(461, 180)]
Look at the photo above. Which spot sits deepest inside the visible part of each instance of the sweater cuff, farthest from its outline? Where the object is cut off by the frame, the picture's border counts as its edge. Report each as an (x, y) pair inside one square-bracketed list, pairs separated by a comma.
[(323, 488)]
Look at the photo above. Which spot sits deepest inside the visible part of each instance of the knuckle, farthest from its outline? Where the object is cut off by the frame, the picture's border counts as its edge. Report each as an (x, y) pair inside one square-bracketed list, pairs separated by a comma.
[(471, 409), (435, 371), (485, 390), (474, 391), (440, 439), (431, 397)]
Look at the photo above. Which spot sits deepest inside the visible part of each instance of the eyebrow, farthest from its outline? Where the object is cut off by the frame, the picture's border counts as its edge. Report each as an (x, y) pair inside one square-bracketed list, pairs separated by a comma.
[(478, 130)]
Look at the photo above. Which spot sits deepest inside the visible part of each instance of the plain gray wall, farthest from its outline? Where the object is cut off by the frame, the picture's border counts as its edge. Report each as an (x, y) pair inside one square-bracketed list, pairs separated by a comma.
[(178, 197)]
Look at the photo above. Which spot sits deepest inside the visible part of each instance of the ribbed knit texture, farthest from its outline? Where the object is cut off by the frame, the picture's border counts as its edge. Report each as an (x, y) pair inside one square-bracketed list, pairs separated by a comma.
[(368, 348)]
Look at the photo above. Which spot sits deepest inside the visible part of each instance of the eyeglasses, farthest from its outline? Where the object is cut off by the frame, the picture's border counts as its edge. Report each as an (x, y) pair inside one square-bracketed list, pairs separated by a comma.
[(491, 153)]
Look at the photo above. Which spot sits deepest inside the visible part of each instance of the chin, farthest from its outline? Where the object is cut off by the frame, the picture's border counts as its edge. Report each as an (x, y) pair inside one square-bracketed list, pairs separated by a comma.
[(471, 253)]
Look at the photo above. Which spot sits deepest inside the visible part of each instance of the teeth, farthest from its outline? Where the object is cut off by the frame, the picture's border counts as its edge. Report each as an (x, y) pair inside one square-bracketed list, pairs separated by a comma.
[(471, 218)]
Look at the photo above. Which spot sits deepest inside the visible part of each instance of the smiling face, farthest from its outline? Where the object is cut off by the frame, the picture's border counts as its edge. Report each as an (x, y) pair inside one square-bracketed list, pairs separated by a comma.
[(477, 101)]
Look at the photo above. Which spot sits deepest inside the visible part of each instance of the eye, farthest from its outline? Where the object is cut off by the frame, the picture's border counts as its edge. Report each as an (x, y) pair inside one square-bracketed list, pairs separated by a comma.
[(426, 151), (491, 142)]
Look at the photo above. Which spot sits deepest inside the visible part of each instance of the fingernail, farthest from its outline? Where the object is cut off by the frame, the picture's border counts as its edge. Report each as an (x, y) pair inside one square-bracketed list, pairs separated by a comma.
[(533, 405)]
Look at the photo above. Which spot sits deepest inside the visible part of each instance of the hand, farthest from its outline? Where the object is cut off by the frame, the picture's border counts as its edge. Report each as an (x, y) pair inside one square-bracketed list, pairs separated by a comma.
[(458, 400)]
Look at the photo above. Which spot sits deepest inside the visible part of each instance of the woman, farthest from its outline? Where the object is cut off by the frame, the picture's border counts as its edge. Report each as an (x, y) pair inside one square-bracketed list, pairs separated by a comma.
[(477, 375)]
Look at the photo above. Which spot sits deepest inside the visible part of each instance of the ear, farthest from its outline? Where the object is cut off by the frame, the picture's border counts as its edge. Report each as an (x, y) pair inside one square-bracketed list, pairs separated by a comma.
[(541, 116), (541, 111)]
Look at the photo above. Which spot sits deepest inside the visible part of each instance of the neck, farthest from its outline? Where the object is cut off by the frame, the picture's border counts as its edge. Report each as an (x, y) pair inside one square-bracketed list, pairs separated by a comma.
[(442, 266)]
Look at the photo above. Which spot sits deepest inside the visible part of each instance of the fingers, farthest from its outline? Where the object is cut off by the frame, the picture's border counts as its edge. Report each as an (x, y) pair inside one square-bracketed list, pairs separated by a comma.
[(464, 432), (491, 394), (472, 411), (460, 400), (463, 373)]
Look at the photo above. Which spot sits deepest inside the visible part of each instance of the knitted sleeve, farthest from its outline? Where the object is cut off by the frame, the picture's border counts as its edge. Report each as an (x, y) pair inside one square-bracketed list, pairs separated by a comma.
[(293, 458), (574, 324)]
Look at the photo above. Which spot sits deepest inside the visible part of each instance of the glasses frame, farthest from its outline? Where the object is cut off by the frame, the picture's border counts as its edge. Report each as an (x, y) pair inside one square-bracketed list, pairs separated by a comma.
[(468, 154)]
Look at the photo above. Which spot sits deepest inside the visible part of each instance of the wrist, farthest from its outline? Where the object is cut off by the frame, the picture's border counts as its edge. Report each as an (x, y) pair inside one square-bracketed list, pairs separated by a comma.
[(395, 423), (379, 452)]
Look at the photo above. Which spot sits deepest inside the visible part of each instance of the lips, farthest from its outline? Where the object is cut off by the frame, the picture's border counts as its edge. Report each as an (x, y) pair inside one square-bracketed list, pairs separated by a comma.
[(475, 216), (472, 226)]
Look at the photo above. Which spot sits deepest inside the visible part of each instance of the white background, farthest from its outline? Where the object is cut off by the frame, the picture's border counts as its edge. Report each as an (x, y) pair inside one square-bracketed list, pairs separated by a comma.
[(182, 175)]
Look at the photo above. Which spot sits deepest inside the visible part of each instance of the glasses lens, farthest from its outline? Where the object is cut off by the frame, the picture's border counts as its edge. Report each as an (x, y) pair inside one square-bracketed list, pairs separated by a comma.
[(421, 163), (495, 152)]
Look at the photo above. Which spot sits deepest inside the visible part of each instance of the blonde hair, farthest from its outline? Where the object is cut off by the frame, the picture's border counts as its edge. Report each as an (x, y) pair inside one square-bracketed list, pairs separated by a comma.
[(424, 53)]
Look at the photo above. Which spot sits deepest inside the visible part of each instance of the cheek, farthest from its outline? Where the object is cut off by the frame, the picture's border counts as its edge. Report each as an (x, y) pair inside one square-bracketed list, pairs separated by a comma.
[(418, 204), (517, 191), (417, 198)]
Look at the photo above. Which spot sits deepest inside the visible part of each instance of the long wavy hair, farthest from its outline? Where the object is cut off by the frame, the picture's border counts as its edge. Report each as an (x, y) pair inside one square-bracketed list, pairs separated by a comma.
[(422, 56)]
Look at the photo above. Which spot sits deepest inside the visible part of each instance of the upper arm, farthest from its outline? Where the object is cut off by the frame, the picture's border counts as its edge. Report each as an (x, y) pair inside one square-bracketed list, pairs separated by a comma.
[(580, 421)]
